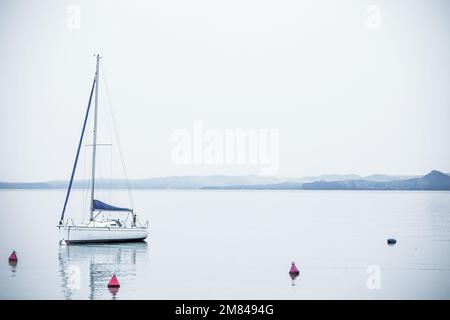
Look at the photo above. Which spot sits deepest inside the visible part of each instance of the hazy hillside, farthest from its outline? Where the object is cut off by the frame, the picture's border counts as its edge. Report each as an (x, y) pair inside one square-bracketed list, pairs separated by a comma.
[(435, 180), (175, 182)]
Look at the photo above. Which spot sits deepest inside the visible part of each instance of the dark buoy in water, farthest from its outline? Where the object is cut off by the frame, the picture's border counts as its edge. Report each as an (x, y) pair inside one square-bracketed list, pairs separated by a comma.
[(391, 241), (113, 283), (294, 271), (113, 291), (13, 257), (293, 276)]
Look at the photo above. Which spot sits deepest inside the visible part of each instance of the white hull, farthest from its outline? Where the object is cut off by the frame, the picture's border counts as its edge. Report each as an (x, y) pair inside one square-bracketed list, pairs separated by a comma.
[(82, 234)]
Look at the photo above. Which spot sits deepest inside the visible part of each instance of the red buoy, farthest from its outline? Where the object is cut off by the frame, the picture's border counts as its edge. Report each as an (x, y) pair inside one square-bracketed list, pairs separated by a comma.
[(12, 257), (294, 271), (113, 283)]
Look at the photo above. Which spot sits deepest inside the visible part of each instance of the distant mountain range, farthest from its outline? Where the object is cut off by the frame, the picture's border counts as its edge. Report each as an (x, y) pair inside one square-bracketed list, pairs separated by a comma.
[(435, 180), (174, 182)]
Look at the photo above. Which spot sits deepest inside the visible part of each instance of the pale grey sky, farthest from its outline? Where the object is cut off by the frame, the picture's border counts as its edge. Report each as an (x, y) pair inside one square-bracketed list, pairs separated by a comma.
[(345, 97)]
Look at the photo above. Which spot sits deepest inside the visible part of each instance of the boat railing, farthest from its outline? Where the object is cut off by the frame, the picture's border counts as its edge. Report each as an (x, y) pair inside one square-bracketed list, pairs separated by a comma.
[(70, 220)]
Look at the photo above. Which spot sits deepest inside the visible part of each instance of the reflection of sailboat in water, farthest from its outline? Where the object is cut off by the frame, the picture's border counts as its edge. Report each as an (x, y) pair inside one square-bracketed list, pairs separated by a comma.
[(86, 269)]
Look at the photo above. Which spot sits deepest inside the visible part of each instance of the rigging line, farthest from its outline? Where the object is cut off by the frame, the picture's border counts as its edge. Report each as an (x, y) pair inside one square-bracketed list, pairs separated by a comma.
[(87, 181), (130, 194), (110, 136), (78, 153), (108, 189), (110, 172), (84, 183), (87, 190)]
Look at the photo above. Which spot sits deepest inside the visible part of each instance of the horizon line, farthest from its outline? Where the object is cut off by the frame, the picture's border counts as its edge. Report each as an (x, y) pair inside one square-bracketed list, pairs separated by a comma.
[(231, 176)]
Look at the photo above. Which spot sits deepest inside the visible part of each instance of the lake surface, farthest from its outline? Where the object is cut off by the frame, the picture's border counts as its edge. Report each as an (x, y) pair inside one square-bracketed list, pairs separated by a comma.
[(235, 245)]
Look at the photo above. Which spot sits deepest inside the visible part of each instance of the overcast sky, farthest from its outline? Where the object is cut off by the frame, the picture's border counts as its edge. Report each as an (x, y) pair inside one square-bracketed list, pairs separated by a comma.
[(347, 94)]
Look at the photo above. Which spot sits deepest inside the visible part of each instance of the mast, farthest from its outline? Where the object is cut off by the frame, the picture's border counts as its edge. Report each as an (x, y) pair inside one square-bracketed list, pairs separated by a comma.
[(94, 142), (77, 154)]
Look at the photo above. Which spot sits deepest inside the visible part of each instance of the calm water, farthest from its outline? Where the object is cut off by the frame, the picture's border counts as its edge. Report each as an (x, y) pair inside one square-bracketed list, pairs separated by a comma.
[(235, 245)]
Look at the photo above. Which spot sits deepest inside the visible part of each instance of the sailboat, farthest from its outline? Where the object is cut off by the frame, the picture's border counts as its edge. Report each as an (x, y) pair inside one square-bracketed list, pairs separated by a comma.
[(99, 228)]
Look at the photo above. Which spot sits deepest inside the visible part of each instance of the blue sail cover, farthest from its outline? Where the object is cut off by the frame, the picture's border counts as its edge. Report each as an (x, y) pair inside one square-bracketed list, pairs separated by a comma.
[(101, 206)]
